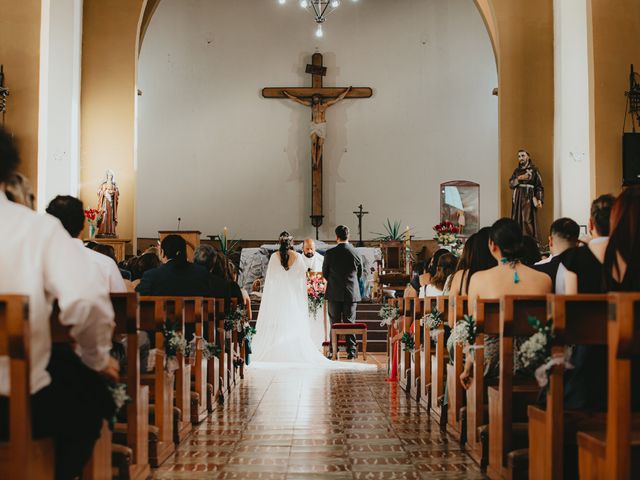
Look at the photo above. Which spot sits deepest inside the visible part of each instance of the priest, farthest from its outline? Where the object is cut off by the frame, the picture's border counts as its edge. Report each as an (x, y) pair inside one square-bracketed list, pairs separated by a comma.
[(312, 260)]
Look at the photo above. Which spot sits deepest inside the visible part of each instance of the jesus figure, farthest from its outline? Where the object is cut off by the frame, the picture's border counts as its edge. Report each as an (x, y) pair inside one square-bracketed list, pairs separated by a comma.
[(318, 127)]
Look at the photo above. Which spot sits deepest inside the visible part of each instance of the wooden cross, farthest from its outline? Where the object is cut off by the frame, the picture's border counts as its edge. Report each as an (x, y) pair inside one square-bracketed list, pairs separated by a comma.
[(319, 98), (360, 213)]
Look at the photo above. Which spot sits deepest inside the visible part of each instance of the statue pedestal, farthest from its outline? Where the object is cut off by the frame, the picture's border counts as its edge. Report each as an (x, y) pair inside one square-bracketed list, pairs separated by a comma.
[(118, 244), (192, 237)]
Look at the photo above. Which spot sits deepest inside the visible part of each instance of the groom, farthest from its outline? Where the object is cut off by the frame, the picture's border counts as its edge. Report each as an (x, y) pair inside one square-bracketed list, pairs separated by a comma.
[(342, 267)]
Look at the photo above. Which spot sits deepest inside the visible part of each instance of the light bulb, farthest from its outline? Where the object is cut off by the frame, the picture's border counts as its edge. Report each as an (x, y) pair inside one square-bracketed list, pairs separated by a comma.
[(335, 3), (303, 3), (282, 2), (319, 32)]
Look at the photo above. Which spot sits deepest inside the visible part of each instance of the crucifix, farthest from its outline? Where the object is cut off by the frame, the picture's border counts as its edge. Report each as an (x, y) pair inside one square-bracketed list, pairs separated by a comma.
[(360, 213), (318, 98)]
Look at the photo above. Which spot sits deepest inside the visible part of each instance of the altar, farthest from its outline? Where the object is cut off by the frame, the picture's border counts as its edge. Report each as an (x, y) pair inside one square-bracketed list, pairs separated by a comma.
[(254, 261)]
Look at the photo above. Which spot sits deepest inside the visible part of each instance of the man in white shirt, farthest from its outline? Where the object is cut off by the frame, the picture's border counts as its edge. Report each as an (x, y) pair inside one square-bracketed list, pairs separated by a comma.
[(37, 259), (312, 260), (70, 211)]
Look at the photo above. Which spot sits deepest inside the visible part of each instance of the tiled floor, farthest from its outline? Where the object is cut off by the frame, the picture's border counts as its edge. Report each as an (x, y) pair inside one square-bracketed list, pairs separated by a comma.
[(317, 425)]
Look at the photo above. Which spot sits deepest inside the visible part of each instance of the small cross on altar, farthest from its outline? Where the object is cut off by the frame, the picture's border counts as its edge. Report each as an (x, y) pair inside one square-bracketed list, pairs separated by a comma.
[(360, 213), (318, 98)]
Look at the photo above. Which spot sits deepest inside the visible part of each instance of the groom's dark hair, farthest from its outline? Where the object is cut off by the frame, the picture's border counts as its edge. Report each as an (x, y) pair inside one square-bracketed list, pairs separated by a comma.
[(342, 232)]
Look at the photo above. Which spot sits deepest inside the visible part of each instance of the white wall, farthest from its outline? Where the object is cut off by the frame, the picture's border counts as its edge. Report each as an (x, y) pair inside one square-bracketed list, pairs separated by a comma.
[(571, 145), (61, 45), (216, 154)]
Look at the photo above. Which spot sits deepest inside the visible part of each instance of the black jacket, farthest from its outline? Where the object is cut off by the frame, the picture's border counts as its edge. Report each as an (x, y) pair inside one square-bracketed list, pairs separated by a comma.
[(176, 280), (342, 268)]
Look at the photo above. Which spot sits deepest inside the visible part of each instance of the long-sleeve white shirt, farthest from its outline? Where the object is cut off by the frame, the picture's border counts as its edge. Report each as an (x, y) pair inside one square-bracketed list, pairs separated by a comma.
[(38, 259), (107, 268), (313, 264)]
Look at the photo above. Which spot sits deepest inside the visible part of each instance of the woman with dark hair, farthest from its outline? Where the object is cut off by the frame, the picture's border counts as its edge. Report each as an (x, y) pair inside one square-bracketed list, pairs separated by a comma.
[(531, 251), (430, 272), (284, 334), (476, 257), (445, 268), (176, 276), (509, 277)]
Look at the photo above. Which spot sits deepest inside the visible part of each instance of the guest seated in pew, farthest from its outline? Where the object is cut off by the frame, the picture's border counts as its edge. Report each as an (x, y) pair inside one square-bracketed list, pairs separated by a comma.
[(70, 211), (475, 257), (563, 236), (509, 277), (206, 257), (176, 276), (531, 251), (224, 268), (445, 268), (141, 264), (432, 267), (19, 190), (69, 396), (110, 252), (413, 287)]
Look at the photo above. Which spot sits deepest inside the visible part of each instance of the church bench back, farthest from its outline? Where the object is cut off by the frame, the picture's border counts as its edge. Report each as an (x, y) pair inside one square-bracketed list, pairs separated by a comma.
[(577, 320), (194, 316), (457, 309), (21, 457), (438, 368), (515, 311), (416, 372), (406, 318), (486, 313), (426, 361), (624, 347)]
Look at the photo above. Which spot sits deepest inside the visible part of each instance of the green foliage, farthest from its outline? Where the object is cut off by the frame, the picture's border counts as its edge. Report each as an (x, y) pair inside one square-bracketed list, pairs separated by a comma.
[(393, 232), (408, 342)]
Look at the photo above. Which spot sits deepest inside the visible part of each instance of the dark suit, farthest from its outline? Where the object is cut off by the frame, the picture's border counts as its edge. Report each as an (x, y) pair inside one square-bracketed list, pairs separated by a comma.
[(551, 267), (342, 268), (176, 279), (221, 288)]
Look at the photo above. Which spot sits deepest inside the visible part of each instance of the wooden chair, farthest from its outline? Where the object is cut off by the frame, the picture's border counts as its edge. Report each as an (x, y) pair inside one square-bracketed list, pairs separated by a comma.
[(21, 457), (153, 314), (509, 400), (136, 430), (614, 452), (99, 466), (486, 313), (415, 389), (577, 320), (357, 328), (457, 309)]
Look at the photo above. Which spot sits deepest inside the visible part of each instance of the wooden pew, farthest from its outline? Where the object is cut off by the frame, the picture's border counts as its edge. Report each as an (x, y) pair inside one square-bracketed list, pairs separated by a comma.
[(231, 347), (404, 364), (21, 457), (438, 362), (486, 313), (214, 311), (457, 309), (393, 362), (125, 306), (426, 304), (194, 314), (100, 464), (153, 313), (416, 356), (508, 401), (577, 320), (614, 453)]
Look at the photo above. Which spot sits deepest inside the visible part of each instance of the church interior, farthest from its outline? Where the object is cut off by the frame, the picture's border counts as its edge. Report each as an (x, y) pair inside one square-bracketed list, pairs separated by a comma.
[(453, 185)]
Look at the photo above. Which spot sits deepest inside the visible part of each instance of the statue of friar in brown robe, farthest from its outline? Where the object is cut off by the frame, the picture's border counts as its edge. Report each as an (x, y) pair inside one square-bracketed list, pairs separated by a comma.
[(528, 194)]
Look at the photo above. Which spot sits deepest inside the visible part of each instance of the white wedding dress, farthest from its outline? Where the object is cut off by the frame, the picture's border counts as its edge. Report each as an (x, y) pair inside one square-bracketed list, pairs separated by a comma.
[(283, 336)]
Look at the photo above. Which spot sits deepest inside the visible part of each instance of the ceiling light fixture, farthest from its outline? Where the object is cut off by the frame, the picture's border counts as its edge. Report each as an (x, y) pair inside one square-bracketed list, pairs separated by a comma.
[(320, 9)]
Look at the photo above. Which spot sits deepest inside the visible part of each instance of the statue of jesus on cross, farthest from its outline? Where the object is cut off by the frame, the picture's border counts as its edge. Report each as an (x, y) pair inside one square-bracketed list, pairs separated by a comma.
[(318, 127)]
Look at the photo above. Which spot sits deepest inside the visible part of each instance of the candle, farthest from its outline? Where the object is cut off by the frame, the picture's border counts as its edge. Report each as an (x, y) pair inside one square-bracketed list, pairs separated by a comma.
[(225, 232)]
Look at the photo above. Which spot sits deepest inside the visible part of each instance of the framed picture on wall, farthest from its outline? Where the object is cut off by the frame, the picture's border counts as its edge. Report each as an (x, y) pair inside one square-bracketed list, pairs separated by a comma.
[(460, 204)]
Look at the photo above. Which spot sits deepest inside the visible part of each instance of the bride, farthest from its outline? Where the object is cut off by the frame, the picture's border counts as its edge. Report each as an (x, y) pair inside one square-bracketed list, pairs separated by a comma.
[(283, 331)]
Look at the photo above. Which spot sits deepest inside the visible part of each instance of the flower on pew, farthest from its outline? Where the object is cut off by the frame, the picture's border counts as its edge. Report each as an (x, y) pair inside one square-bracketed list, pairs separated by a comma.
[(535, 351), (238, 362), (408, 342), (389, 314), (433, 320), (120, 399), (174, 344), (210, 350), (235, 319), (464, 332), (247, 332), (316, 290)]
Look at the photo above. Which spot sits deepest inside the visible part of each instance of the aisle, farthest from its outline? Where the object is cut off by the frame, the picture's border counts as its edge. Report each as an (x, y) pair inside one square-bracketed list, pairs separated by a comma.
[(314, 425)]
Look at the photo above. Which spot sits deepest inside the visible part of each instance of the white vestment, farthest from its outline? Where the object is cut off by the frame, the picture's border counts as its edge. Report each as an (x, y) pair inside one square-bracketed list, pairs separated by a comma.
[(313, 264), (320, 129)]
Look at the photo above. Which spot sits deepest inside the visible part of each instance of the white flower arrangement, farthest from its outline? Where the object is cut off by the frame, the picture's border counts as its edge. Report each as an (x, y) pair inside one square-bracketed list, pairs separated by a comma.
[(119, 395), (536, 350), (235, 319), (210, 350), (389, 314), (464, 332), (433, 320)]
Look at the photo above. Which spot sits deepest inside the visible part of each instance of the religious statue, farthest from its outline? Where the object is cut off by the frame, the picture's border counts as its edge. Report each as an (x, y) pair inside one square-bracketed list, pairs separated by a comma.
[(528, 194), (318, 127), (108, 196)]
